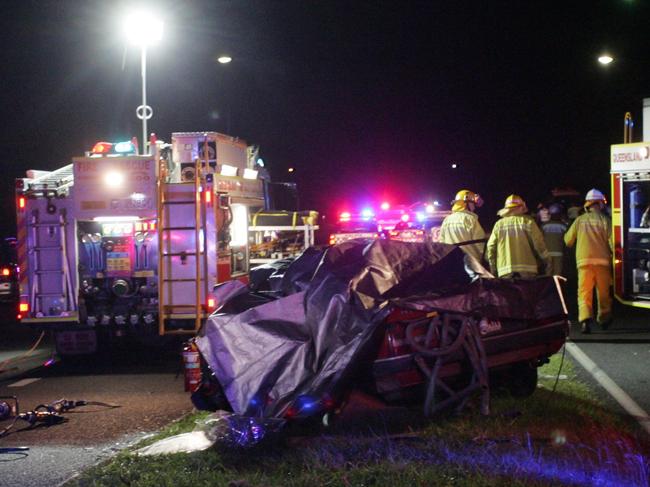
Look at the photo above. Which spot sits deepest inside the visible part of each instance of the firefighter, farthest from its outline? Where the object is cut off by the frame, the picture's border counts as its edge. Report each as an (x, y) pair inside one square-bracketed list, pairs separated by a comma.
[(463, 225), (590, 232), (516, 246), (554, 231)]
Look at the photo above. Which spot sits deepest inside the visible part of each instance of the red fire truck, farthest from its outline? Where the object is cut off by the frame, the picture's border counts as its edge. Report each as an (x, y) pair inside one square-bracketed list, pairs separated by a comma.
[(118, 244), (630, 178)]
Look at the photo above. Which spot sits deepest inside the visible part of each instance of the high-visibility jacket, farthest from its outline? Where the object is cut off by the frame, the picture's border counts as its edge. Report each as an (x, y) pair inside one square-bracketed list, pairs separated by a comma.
[(592, 232), (554, 237), (516, 245), (462, 226)]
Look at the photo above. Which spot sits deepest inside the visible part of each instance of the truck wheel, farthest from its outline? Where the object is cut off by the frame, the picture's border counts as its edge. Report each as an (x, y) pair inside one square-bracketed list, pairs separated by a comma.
[(523, 379)]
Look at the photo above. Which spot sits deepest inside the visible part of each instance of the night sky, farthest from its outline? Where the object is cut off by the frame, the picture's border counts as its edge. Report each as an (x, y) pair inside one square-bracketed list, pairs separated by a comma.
[(367, 100)]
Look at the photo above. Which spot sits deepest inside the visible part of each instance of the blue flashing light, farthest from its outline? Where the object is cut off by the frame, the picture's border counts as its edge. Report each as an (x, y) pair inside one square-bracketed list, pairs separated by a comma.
[(124, 147), (420, 216), (367, 213)]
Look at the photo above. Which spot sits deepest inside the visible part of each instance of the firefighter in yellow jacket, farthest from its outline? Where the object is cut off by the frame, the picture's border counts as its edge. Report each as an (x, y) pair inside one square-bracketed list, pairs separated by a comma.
[(592, 232), (463, 225), (516, 246)]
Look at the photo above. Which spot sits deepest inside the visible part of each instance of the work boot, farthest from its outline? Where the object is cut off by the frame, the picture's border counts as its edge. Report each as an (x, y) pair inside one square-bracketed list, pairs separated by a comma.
[(585, 327), (606, 322)]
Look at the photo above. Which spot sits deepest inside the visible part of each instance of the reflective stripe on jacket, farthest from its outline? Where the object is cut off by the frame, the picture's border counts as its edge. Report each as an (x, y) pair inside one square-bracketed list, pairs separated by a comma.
[(516, 245), (554, 237), (462, 226), (592, 232)]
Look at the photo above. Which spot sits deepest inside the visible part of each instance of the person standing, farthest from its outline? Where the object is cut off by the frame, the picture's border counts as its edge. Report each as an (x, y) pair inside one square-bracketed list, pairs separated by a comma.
[(516, 246), (554, 231), (463, 225), (591, 234)]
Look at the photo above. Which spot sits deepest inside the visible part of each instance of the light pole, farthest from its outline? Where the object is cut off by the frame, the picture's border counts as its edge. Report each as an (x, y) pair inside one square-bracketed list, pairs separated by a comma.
[(143, 29)]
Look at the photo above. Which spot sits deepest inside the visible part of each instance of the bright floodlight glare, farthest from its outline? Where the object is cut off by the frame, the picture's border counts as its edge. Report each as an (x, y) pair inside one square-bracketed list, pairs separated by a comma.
[(224, 59), (227, 170), (143, 28), (114, 179), (605, 59)]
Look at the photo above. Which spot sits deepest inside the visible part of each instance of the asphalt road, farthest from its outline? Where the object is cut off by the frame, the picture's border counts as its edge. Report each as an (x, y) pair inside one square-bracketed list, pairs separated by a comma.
[(144, 383)]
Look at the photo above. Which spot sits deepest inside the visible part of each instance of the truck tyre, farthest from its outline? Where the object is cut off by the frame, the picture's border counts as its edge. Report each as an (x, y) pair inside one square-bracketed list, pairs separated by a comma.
[(523, 379)]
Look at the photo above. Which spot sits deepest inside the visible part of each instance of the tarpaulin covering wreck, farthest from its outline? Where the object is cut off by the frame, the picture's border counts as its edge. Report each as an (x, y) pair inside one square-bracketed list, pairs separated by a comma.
[(380, 313)]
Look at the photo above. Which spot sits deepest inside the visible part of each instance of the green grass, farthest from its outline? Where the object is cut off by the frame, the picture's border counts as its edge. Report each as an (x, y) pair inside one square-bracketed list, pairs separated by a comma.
[(551, 438)]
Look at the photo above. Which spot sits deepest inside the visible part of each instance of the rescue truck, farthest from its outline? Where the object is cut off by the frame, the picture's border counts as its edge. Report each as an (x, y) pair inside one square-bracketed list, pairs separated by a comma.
[(630, 191), (118, 244), (630, 176)]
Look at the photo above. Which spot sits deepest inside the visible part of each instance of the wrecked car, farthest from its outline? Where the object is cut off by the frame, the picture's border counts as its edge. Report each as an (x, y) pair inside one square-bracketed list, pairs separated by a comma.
[(402, 321)]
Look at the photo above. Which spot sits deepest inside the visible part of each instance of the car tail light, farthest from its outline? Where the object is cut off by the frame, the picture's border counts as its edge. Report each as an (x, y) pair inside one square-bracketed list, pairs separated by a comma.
[(21, 202), (210, 303), (23, 307), (393, 233), (332, 239), (6, 271)]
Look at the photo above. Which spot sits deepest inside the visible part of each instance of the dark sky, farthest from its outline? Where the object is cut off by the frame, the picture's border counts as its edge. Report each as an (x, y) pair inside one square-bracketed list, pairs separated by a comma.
[(367, 100)]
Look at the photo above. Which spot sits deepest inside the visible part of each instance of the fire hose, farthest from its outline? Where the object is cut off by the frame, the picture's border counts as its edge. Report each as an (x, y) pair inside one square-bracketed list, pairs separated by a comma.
[(46, 414), (451, 335)]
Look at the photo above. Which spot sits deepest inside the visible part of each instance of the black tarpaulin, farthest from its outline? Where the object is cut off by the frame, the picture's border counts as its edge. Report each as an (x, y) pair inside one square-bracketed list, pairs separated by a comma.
[(294, 352)]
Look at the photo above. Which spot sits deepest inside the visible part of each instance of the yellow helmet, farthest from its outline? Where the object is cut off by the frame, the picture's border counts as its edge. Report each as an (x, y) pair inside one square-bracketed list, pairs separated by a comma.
[(467, 196), (514, 200)]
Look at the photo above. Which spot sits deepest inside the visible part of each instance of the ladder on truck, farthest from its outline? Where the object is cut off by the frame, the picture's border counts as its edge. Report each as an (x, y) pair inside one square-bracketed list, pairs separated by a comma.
[(52, 292), (182, 270)]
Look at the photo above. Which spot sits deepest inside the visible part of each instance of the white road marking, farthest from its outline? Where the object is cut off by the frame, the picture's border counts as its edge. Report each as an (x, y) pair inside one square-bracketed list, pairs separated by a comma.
[(24, 382), (626, 402)]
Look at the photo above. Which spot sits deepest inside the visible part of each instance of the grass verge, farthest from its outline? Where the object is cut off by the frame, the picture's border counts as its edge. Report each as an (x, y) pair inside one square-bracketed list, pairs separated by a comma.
[(561, 437)]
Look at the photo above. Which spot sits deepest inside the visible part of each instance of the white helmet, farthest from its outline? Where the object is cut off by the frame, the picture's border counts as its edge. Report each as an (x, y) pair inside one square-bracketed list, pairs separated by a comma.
[(594, 196)]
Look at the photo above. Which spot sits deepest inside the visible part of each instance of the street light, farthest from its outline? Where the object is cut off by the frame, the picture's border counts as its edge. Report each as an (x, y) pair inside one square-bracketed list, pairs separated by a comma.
[(143, 29), (605, 59), (224, 59)]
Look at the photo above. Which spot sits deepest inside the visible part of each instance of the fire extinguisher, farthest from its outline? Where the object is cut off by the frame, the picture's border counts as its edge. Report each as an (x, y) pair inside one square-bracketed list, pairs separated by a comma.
[(191, 366)]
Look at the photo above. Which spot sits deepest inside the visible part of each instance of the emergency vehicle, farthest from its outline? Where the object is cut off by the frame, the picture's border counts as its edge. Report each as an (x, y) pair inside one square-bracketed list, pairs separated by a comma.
[(630, 180), (118, 244), (351, 226)]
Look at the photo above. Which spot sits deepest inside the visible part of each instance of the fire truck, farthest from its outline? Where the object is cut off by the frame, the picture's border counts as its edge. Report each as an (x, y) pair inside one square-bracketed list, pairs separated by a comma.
[(630, 179), (118, 244)]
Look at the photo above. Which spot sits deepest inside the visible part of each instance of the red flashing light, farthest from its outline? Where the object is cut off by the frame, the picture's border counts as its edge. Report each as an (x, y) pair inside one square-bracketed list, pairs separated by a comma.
[(5, 271), (102, 148), (405, 217), (345, 216), (385, 205), (19, 317), (21, 202), (23, 307)]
